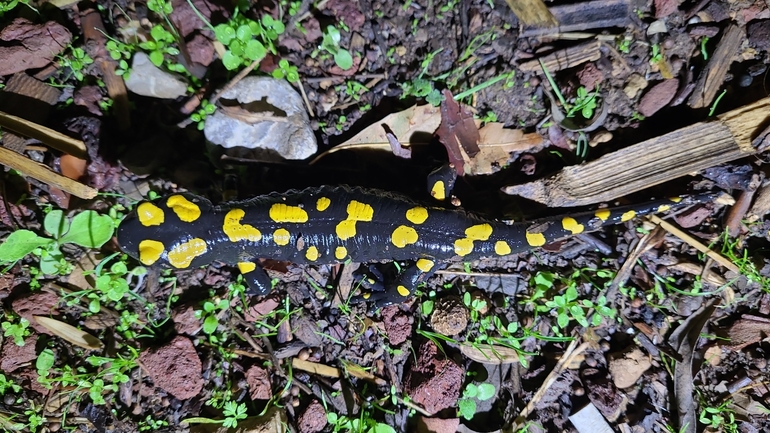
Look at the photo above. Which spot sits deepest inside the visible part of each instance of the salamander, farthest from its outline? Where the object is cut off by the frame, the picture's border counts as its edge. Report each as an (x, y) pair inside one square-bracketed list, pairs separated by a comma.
[(324, 225)]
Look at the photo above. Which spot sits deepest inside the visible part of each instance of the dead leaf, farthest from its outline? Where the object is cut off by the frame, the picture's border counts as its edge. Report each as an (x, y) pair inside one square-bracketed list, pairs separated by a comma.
[(496, 144), (489, 354), (458, 133), (69, 333)]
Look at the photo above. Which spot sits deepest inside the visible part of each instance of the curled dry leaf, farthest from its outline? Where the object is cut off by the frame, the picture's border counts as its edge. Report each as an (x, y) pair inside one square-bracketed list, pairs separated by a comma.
[(489, 354), (414, 125), (69, 333)]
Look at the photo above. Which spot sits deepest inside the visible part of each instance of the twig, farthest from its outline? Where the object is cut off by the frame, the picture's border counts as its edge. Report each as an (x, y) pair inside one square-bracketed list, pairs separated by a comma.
[(695, 243)]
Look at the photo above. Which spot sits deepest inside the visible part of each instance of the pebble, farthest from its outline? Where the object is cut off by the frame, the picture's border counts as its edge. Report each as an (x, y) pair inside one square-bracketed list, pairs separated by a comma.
[(148, 80)]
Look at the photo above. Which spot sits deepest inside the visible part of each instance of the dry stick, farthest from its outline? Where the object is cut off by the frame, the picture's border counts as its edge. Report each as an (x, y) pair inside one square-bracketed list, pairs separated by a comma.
[(44, 174), (572, 351), (695, 243), (48, 136)]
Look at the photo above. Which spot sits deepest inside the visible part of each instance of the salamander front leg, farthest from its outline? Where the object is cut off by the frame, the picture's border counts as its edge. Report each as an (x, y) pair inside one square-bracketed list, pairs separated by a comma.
[(403, 286), (257, 280)]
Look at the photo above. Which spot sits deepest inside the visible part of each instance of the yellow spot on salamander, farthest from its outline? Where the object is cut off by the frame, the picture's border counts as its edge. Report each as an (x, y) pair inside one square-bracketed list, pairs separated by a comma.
[(281, 237), (438, 191), (663, 208), (236, 231), (183, 254), (357, 211), (417, 215), (340, 253), (675, 199), (463, 247), (403, 236), (403, 291), (283, 213), (150, 251), (570, 224), (627, 216), (479, 232), (322, 204), (346, 229), (535, 239), (502, 248), (424, 265), (149, 214), (312, 254), (186, 210), (603, 214), (246, 267), (366, 295)]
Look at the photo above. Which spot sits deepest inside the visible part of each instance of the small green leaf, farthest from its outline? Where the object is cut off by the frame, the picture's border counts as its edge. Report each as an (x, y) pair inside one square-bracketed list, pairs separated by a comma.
[(244, 33), (210, 324), (343, 59), (89, 230), (486, 391), (255, 50), (45, 361), (156, 57), (467, 408), (19, 244), (562, 320), (158, 33), (56, 224), (224, 33)]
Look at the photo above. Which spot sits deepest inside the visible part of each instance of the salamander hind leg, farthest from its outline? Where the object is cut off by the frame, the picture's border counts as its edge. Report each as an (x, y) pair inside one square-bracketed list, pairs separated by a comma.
[(399, 288), (257, 280)]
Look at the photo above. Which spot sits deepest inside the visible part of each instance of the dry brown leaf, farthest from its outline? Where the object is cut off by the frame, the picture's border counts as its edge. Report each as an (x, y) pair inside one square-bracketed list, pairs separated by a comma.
[(414, 125), (489, 354), (69, 333), (496, 145)]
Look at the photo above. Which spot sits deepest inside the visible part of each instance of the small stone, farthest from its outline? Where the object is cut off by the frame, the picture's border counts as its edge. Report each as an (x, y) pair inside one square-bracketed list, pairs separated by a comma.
[(628, 366), (450, 317), (175, 368), (147, 79), (759, 34), (266, 117), (634, 85), (745, 80), (658, 97), (313, 419), (656, 27)]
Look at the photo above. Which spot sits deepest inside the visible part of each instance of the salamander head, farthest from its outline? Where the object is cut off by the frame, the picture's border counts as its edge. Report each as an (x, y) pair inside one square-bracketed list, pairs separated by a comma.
[(160, 231)]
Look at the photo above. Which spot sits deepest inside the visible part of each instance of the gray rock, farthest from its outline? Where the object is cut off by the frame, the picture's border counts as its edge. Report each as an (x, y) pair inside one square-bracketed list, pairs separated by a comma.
[(266, 115), (147, 79)]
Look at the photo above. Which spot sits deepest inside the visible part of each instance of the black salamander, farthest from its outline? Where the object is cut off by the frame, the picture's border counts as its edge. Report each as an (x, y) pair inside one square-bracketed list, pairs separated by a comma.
[(337, 224)]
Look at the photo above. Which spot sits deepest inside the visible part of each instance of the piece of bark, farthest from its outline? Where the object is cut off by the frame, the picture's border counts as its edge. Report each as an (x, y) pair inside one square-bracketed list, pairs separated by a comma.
[(94, 33), (713, 75), (28, 98), (532, 13), (651, 162), (38, 171), (579, 17), (564, 59)]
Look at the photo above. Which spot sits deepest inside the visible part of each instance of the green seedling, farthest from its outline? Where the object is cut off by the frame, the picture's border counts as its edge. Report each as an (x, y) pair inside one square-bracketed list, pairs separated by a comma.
[(703, 51), (286, 70), (112, 284), (466, 406), (121, 53), (331, 44), (87, 229), (18, 331), (655, 54), (719, 418), (199, 116), (160, 46), (9, 5), (76, 61), (247, 40), (6, 384)]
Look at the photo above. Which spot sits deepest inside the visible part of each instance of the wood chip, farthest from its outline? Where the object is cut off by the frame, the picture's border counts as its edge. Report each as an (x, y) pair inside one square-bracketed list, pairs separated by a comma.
[(564, 59), (651, 162), (590, 420), (585, 15), (48, 136), (713, 75), (532, 13)]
